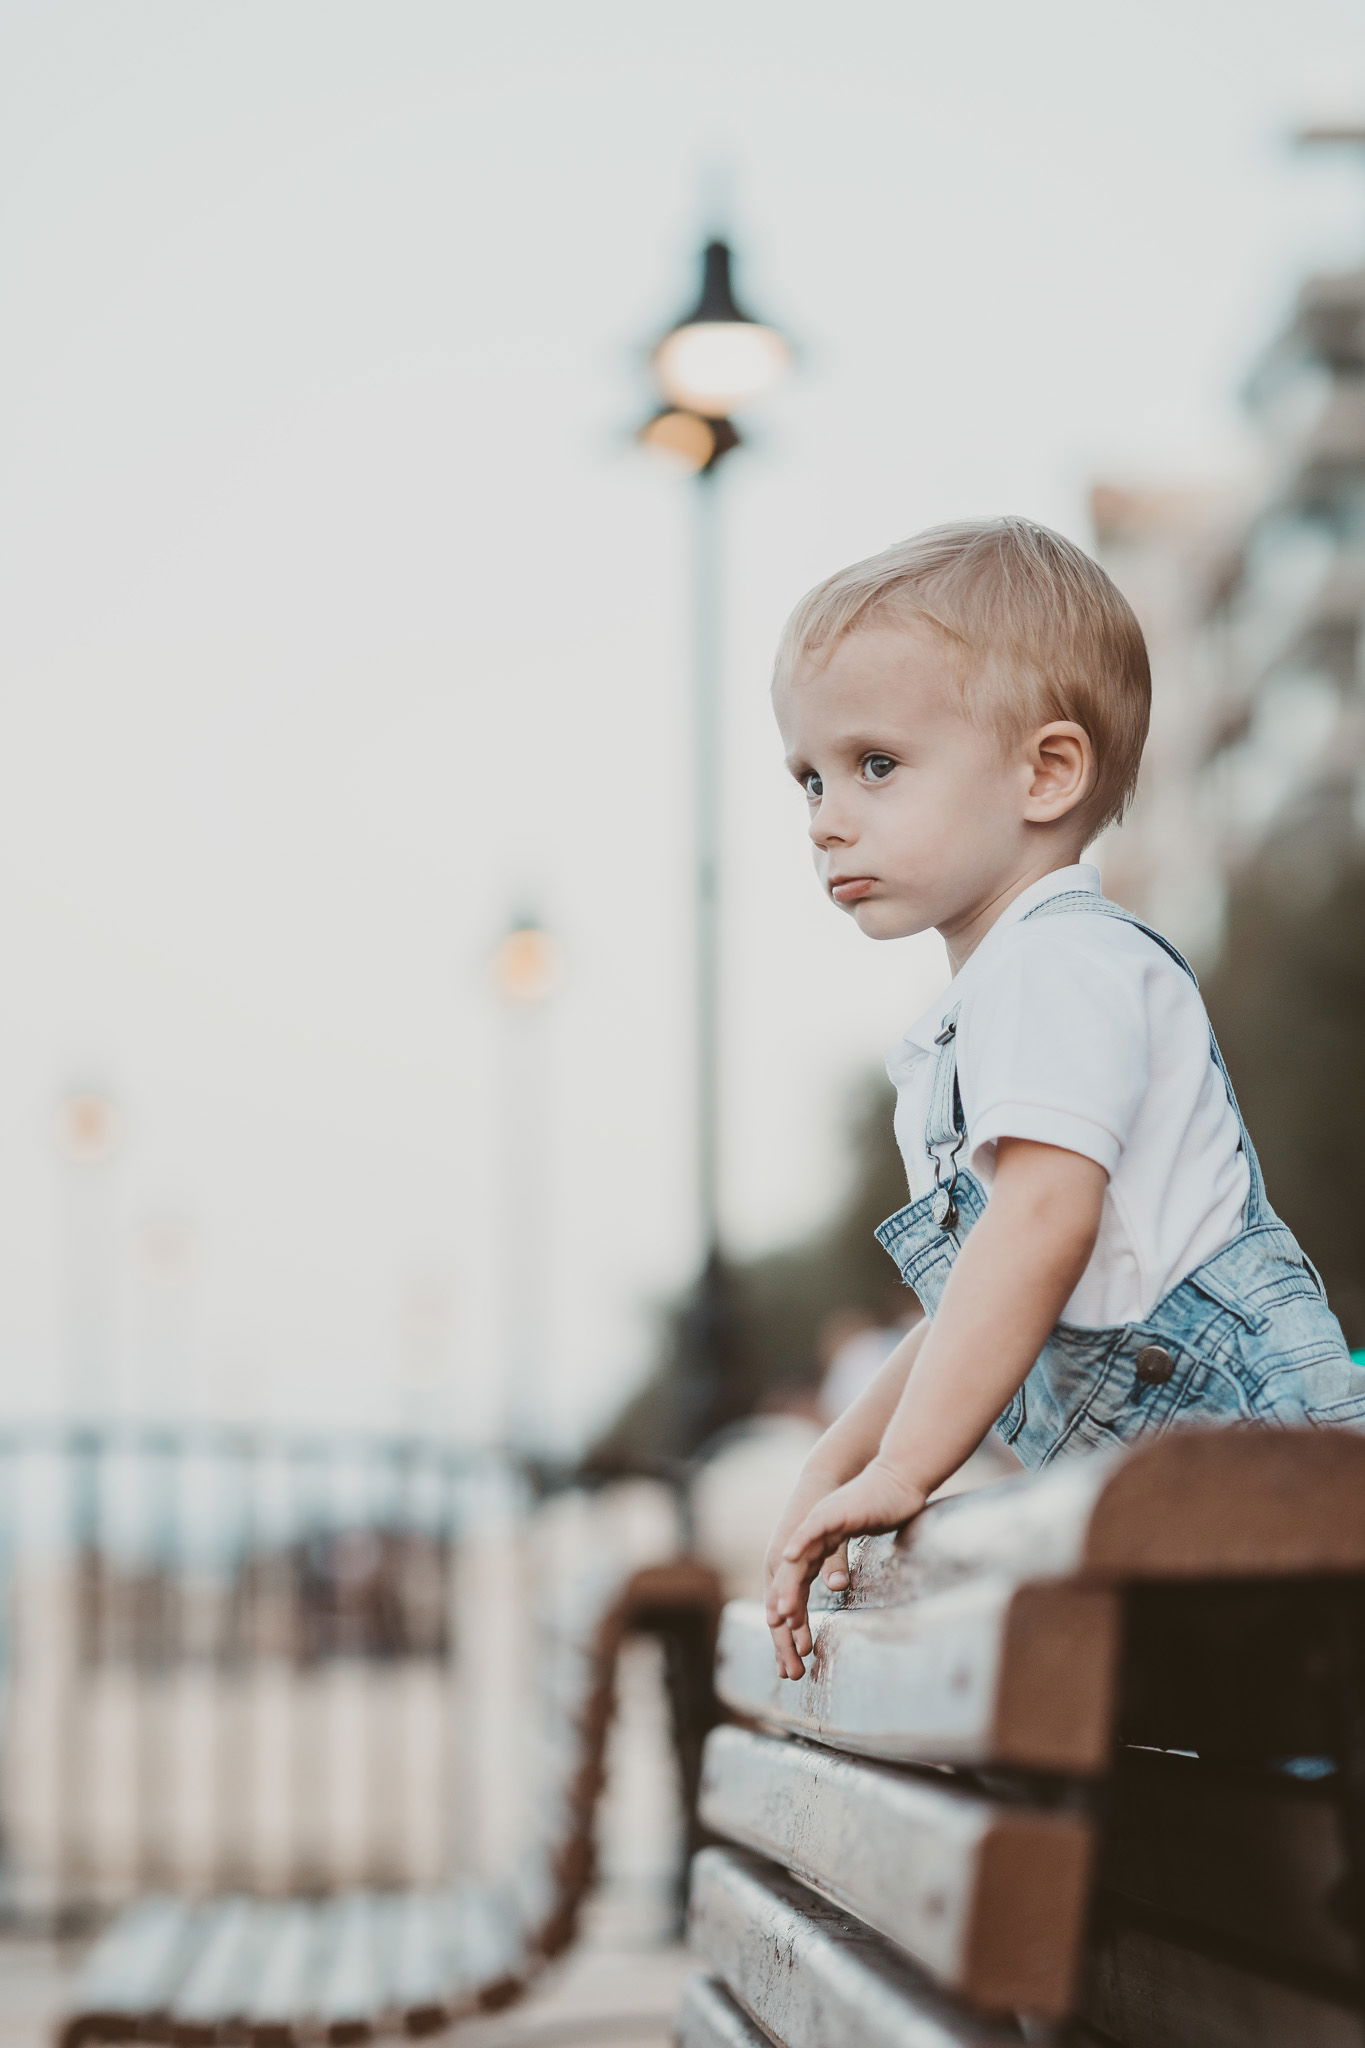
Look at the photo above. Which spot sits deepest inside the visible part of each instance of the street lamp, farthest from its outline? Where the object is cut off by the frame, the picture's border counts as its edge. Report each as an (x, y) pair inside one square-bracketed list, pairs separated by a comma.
[(716, 360), (525, 964)]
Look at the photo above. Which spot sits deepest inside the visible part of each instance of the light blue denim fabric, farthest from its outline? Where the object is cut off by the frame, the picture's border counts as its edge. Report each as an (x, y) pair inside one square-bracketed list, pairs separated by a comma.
[(1248, 1333)]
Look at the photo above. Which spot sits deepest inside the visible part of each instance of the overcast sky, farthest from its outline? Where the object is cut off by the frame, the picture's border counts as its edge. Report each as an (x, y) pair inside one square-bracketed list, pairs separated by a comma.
[(342, 618)]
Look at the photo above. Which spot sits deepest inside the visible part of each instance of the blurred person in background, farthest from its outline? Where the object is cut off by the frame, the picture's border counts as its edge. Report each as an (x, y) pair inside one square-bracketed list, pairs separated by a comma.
[(745, 1476), (859, 1349), (741, 1480), (855, 1345)]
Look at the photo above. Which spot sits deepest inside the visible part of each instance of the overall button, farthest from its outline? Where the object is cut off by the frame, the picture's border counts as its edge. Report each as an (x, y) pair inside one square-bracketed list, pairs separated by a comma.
[(1154, 1365)]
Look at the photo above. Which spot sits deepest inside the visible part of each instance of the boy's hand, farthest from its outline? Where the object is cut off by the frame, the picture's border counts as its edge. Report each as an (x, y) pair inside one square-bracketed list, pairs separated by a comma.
[(790, 1645), (877, 1500), (844, 1449)]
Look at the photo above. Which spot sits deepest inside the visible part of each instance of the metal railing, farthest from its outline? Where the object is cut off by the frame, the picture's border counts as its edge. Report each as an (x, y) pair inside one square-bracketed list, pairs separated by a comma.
[(228, 1661)]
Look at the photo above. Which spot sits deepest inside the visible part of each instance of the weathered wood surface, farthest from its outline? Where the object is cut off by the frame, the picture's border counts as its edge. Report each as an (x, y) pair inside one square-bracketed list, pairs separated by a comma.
[(988, 1673), (709, 2018), (810, 1974), (1146, 1986), (985, 1635), (1196, 1503), (989, 1899), (1254, 1855)]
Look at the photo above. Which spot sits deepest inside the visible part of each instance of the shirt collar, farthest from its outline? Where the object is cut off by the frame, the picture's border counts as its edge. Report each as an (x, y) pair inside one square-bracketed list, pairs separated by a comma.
[(923, 1033)]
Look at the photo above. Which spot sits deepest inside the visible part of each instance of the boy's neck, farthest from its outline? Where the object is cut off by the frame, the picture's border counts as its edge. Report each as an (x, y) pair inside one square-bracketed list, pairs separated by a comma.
[(965, 934)]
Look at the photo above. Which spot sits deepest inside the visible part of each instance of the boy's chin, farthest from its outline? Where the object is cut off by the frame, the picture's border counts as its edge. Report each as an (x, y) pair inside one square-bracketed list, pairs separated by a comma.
[(886, 920)]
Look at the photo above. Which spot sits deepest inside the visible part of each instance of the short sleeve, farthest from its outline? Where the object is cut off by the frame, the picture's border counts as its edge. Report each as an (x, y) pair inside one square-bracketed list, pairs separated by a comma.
[(1053, 1045)]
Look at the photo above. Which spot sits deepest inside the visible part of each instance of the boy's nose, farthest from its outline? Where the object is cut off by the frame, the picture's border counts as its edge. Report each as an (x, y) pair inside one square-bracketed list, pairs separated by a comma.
[(827, 828)]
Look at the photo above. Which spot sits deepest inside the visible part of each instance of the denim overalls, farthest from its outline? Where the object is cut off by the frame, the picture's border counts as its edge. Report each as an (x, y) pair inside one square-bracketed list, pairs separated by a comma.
[(1247, 1336)]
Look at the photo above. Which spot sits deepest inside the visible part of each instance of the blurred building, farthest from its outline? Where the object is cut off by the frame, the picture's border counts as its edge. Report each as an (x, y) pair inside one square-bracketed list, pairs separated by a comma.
[(1172, 552), (1253, 612), (1247, 840)]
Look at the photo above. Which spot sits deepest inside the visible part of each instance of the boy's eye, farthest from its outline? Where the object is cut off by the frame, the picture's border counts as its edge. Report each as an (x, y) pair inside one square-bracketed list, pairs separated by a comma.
[(813, 785), (877, 767)]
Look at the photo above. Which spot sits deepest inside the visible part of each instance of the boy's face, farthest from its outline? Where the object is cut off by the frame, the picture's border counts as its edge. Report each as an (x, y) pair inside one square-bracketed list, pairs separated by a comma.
[(916, 813)]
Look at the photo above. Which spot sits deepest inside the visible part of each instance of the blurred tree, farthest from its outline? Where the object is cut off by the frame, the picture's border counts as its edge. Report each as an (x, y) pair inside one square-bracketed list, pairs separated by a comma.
[(1288, 1003), (774, 1308)]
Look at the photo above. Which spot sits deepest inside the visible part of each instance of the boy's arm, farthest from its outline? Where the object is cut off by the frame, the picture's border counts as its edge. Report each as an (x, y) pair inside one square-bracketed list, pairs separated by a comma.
[(848, 1444), (1008, 1287)]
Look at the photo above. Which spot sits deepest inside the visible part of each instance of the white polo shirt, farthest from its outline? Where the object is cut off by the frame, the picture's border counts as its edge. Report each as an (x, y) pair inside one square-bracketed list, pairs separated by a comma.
[(1082, 1032)]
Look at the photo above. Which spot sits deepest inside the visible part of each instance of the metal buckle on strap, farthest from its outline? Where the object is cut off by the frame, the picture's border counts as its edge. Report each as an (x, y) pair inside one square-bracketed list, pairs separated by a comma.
[(949, 1031)]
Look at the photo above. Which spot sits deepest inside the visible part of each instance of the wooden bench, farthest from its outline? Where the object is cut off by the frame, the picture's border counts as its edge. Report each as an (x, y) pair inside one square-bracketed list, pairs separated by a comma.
[(1080, 1756), (279, 1972)]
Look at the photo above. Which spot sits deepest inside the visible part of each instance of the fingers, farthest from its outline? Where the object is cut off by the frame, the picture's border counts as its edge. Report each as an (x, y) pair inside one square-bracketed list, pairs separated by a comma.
[(789, 1661), (787, 1599), (823, 1535), (791, 1634), (835, 1573)]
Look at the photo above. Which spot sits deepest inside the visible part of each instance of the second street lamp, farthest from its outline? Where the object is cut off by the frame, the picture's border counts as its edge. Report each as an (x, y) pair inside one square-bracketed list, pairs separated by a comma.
[(713, 361)]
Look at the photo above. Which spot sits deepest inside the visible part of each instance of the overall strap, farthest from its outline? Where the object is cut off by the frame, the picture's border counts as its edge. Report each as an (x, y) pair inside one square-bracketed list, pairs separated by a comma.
[(945, 1130), (946, 1121), (1258, 1208)]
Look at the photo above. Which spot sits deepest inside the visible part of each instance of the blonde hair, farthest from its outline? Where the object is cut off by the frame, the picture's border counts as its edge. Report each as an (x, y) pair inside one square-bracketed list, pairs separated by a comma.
[(1041, 633)]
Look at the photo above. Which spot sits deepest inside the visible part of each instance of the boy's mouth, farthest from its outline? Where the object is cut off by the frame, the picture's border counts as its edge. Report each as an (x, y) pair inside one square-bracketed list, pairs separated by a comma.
[(851, 888)]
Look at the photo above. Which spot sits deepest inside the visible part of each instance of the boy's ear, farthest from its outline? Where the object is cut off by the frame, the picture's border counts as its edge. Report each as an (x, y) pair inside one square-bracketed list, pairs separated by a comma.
[(1061, 762)]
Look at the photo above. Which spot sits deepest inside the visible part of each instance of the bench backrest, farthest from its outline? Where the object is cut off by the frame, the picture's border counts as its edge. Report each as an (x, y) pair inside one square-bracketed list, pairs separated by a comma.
[(918, 1824)]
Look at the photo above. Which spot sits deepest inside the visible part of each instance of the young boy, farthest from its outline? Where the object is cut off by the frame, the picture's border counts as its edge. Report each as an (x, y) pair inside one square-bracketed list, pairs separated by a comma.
[(1088, 1230)]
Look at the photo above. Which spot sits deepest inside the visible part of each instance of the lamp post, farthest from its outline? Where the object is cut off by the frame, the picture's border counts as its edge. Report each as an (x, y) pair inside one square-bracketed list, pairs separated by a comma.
[(86, 1131), (713, 362), (525, 971)]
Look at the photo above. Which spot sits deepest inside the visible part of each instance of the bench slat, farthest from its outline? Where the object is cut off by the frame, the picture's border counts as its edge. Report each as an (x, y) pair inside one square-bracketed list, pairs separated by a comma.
[(808, 1973), (1144, 1985), (218, 1985), (1196, 1503), (489, 1959), (989, 1899), (353, 1979), (132, 1970), (990, 1673), (422, 1987), (709, 2018), (281, 1998)]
